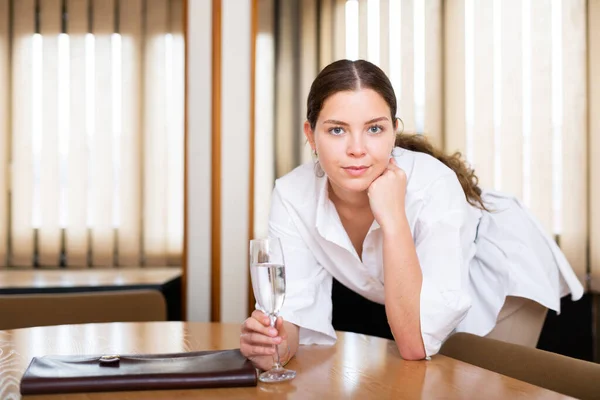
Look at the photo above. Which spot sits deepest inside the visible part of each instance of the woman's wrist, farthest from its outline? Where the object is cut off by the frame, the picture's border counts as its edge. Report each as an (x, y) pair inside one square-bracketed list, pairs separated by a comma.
[(396, 227)]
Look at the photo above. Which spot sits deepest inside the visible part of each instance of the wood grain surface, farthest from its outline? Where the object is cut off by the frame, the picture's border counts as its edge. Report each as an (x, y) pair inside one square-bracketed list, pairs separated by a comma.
[(88, 278), (358, 366)]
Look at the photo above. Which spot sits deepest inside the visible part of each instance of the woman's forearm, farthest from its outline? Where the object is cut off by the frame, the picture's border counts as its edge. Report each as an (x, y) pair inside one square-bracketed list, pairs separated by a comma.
[(403, 279)]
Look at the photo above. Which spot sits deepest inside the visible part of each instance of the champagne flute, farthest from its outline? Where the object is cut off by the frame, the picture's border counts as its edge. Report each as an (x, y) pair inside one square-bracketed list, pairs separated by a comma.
[(267, 270)]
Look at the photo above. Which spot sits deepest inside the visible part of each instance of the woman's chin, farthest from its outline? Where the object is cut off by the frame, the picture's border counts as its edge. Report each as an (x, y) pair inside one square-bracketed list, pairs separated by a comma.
[(356, 185)]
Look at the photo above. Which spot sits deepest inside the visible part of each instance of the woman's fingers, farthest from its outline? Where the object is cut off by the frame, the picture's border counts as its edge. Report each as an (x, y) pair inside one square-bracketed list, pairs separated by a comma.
[(253, 324), (261, 316), (250, 351), (256, 339)]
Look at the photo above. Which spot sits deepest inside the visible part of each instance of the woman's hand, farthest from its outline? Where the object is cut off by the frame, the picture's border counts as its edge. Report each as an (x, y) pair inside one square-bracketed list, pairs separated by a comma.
[(386, 197), (258, 339)]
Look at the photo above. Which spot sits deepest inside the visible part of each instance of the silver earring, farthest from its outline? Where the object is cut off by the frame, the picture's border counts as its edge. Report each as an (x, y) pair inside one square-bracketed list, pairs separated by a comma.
[(318, 170)]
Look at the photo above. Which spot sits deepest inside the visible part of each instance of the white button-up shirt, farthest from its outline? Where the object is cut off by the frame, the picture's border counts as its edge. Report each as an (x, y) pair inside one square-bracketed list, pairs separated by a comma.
[(470, 260)]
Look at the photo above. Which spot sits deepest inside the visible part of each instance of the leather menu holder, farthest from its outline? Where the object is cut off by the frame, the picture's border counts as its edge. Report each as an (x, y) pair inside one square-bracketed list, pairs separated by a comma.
[(103, 373)]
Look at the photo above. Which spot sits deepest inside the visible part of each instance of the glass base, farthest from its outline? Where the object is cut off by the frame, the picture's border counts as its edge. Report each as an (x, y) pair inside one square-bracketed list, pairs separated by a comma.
[(277, 375)]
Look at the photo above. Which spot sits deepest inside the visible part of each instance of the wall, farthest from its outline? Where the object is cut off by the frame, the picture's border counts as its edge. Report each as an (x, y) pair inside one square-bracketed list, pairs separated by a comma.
[(218, 159)]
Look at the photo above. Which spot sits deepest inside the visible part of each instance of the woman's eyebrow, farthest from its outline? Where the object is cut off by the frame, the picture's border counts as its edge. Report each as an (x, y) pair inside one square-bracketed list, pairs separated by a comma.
[(376, 120), (336, 122)]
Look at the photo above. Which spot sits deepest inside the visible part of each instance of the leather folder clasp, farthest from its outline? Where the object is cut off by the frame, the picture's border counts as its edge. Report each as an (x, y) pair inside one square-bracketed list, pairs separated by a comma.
[(110, 360)]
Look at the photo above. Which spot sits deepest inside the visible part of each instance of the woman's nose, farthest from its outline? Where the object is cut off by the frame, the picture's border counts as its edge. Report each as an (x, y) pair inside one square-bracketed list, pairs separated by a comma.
[(356, 146)]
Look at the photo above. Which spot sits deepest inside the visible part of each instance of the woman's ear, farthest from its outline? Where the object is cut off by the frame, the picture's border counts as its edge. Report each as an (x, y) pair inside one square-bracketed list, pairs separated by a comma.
[(396, 131), (310, 136), (398, 125)]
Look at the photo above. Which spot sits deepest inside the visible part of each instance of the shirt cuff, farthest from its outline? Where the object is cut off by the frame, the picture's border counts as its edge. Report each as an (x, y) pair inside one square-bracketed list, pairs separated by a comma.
[(441, 312), (310, 331)]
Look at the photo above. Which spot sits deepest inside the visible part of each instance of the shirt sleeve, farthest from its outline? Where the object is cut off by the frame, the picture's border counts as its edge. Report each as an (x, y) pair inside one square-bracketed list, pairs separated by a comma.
[(442, 243), (307, 301)]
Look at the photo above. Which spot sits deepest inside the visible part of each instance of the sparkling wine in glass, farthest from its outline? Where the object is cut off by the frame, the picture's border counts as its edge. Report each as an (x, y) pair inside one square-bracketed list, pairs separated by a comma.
[(267, 270)]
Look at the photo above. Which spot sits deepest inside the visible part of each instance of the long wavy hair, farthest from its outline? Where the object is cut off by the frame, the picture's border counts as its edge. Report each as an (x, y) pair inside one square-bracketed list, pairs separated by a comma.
[(346, 75)]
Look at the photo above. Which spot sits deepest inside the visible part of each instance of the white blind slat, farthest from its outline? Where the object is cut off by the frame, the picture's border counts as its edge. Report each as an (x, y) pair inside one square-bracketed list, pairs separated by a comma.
[(130, 210), (308, 66), (395, 47), (374, 31), (4, 128), (455, 117), (175, 137), (433, 72), (511, 117), (264, 140), (574, 135), (76, 240), (102, 142), (326, 33), (339, 31), (482, 99), (285, 104), (49, 231), (363, 30), (406, 94), (540, 104), (155, 141), (594, 134), (384, 35), (22, 150)]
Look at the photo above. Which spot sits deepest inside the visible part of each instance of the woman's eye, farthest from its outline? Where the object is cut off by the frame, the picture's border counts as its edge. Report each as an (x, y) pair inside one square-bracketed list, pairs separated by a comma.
[(375, 129), (336, 131)]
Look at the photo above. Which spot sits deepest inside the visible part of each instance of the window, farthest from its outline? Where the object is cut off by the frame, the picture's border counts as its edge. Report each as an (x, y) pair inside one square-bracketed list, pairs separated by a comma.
[(96, 100)]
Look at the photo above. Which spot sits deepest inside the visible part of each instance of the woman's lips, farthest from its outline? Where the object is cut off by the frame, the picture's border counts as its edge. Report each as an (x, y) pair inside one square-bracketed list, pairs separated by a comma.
[(356, 171)]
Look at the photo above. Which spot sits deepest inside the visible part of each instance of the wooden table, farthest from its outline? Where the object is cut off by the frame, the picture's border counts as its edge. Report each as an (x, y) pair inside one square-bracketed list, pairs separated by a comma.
[(37, 281), (358, 366), (76, 280)]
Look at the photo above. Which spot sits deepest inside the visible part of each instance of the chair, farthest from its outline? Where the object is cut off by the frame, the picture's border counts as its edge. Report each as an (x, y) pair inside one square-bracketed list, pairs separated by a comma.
[(28, 310), (566, 375)]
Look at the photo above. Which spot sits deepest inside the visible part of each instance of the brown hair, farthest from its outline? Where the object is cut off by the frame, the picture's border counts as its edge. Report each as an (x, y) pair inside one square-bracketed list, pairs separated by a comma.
[(346, 75)]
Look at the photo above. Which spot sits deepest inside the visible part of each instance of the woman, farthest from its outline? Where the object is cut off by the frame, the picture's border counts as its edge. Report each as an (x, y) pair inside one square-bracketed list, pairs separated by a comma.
[(393, 221)]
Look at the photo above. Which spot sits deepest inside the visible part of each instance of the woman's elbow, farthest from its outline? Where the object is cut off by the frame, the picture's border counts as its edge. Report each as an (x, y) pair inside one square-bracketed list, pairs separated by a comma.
[(411, 354), (411, 349)]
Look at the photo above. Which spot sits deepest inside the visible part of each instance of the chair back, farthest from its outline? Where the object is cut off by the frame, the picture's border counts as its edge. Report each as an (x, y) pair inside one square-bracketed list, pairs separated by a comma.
[(28, 310), (566, 375)]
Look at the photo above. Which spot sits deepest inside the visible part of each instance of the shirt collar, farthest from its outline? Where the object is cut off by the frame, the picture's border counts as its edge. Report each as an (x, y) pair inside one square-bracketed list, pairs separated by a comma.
[(328, 221)]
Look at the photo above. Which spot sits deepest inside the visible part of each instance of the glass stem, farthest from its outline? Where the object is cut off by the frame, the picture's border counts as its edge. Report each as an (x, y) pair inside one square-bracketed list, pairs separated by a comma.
[(277, 362)]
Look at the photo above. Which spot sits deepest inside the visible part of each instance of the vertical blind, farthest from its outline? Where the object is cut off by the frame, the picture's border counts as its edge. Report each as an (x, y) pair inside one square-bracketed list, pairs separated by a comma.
[(516, 106), (91, 132), (502, 81)]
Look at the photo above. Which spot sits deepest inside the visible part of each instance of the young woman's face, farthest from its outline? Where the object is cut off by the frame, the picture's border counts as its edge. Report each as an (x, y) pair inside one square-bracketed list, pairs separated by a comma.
[(354, 137)]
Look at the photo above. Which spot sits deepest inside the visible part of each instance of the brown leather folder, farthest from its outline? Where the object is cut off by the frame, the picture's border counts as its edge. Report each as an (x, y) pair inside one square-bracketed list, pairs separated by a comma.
[(103, 373)]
